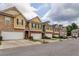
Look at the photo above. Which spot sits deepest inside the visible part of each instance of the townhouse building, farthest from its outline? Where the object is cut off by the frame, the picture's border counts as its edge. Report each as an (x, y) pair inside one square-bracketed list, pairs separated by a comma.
[(17, 26), (56, 30), (47, 30), (59, 30), (63, 31), (34, 28), (14, 25), (20, 27)]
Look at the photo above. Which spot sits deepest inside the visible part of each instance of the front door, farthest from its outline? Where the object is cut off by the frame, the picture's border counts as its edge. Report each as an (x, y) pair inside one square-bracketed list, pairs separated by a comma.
[(26, 34), (43, 35)]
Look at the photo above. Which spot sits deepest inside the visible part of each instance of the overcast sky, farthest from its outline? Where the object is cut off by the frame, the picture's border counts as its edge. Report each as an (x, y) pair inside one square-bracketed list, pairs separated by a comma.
[(56, 13), (60, 13)]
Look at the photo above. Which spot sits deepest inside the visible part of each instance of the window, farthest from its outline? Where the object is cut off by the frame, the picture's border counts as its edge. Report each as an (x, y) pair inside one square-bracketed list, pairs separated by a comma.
[(17, 21), (33, 25), (40, 26), (22, 22), (7, 20)]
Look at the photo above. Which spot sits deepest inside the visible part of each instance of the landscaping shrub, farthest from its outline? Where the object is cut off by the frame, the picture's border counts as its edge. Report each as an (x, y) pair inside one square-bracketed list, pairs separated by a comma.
[(31, 37), (60, 37), (55, 37), (63, 37), (35, 40), (47, 37), (74, 37)]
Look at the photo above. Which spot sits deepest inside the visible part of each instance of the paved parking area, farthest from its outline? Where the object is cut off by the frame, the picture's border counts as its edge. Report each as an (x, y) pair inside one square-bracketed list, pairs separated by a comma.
[(68, 47)]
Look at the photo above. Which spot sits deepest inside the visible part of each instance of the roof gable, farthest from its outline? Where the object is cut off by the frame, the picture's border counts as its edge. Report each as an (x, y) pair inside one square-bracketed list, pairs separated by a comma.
[(27, 12), (13, 11), (36, 19)]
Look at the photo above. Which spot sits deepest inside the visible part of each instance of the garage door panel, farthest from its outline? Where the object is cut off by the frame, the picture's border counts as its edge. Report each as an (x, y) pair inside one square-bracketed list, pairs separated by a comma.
[(49, 35), (36, 35), (12, 35)]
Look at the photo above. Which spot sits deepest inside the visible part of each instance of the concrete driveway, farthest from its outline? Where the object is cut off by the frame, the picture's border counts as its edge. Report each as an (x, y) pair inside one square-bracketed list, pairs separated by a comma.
[(19, 43), (63, 48), (16, 43)]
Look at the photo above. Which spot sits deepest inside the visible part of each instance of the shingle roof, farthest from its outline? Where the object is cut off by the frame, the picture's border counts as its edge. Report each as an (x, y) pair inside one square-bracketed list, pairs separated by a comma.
[(5, 14), (29, 14)]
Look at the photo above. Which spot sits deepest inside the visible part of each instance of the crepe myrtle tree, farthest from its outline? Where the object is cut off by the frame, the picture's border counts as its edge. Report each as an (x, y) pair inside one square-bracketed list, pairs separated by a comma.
[(70, 28), (74, 26)]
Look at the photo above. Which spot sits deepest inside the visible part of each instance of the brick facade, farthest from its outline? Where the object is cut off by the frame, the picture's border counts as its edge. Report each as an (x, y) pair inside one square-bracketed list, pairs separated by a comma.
[(7, 27)]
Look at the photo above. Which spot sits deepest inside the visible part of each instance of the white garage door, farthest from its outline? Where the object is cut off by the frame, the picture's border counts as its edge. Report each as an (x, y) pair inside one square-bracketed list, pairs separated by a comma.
[(49, 35), (12, 35), (56, 35), (36, 36)]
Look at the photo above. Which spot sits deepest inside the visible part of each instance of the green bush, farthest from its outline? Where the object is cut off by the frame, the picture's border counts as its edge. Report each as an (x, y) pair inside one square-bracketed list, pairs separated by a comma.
[(54, 37), (65, 37), (34, 40), (61, 37), (74, 37), (31, 37), (47, 37)]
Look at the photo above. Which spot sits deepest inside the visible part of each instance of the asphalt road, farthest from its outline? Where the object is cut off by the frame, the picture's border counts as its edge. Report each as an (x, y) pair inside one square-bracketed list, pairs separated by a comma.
[(64, 48)]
